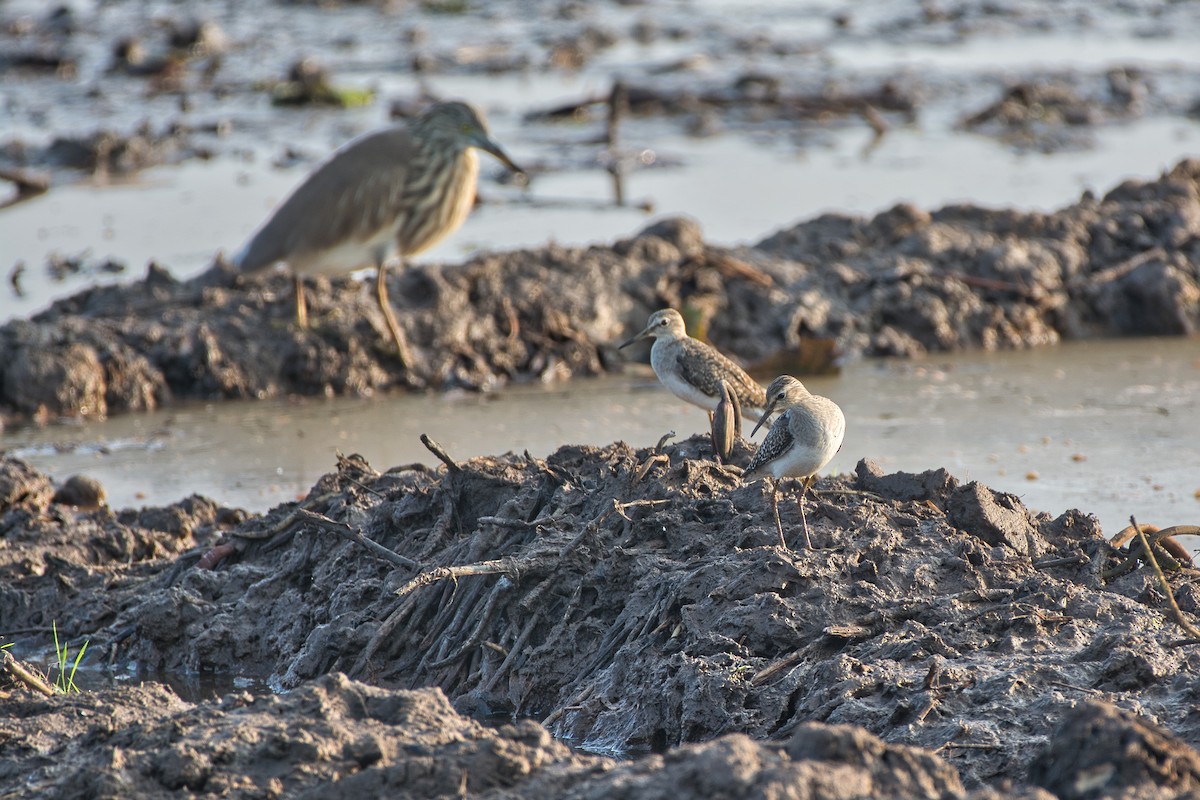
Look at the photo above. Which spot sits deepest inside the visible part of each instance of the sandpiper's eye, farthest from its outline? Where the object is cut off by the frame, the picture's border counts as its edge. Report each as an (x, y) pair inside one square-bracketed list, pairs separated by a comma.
[(779, 396), (662, 322)]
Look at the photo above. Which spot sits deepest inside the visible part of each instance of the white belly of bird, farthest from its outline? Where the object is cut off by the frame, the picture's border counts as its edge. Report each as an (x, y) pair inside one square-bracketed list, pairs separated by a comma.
[(685, 391), (350, 255), (800, 461)]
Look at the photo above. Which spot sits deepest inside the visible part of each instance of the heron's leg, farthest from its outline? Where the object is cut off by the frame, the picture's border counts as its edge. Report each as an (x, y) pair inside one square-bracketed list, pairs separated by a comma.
[(386, 307), (806, 482), (301, 304), (775, 511)]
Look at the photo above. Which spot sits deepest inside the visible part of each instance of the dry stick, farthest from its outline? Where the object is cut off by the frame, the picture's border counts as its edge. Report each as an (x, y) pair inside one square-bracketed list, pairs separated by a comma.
[(618, 105), (513, 522), (621, 508), (508, 566), (440, 452), (355, 535), (1077, 560), (385, 632), (1188, 628), (25, 676), (476, 635), (657, 458), (439, 627), (1157, 539), (362, 485), (1155, 533), (517, 647), (1122, 269)]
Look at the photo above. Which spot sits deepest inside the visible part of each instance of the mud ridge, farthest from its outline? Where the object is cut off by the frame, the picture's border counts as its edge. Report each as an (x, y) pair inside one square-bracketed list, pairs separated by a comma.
[(636, 601), (902, 283)]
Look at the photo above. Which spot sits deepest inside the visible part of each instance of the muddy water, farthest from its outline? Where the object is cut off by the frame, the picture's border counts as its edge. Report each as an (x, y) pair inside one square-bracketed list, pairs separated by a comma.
[(181, 216), (1110, 428)]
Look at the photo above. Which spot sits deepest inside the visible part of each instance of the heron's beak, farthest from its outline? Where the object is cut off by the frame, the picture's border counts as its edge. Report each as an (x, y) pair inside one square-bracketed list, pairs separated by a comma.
[(639, 337), (488, 146)]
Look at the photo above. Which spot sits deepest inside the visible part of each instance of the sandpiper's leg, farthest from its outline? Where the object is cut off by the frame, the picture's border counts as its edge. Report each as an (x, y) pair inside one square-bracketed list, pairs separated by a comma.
[(386, 307), (775, 511), (807, 482), (301, 304)]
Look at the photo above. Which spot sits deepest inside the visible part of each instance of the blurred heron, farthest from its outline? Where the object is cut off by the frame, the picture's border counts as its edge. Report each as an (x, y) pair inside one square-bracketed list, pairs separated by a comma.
[(386, 195)]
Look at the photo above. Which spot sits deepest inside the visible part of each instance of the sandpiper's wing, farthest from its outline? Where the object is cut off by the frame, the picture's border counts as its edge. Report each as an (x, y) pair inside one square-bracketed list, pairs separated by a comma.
[(779, 440), (704, 367)]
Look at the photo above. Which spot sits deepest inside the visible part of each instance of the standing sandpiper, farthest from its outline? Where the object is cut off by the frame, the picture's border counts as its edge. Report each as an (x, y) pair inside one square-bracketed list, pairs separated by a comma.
[(802, 440), (693, 370), (389, 194)]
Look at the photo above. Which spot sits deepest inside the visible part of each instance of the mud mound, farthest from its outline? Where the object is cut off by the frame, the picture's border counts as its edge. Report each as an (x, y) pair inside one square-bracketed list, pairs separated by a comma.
[(337, 738), (901, 283), (56, 562), (636, 600)]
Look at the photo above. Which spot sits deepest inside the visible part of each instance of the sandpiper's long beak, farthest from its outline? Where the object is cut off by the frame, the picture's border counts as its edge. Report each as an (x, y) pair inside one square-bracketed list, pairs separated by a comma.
[(488, 146), (639, 337), (766, 413)]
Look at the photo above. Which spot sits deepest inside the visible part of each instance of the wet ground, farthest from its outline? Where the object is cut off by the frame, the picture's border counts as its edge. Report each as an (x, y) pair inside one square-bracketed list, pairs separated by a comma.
[(958, 629)]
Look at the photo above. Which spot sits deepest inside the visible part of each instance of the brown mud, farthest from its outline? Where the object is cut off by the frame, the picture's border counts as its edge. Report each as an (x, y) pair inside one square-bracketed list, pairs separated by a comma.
[(902, 283), (940, 639)]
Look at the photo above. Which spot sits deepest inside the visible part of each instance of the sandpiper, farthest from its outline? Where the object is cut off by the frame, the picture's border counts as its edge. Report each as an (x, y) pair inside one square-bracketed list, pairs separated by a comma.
[(389, 194), (804, 437), (693, 370)]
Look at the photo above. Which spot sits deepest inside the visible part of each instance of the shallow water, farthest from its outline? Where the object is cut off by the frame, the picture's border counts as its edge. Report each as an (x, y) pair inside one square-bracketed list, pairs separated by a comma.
[(1108, 427)]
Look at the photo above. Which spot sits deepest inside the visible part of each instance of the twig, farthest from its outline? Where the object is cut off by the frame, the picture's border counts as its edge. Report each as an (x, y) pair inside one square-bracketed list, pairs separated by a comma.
[(1122, 269), (363, 486), (662, 442), (770, 671), (517, 647), (476, 635), (25, 676), (440, 452), (657, 458), (1158, 538), (1075, 560), (508, 566), (355, 535), (513, 522), (1188, 628), (621, 507)]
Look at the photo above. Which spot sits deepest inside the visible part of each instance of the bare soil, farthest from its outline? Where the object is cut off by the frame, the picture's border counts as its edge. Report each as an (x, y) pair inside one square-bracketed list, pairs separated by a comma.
[(940, 640)]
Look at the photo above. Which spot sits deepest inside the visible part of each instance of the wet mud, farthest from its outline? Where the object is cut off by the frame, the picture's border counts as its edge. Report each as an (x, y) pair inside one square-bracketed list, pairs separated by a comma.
[(902, 283), (938, 640)]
